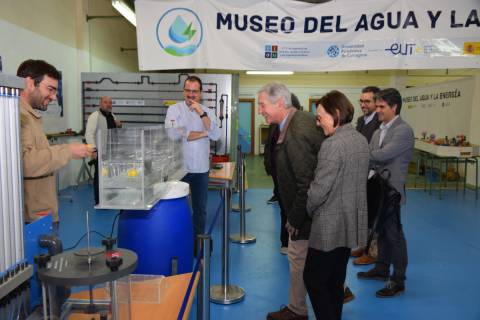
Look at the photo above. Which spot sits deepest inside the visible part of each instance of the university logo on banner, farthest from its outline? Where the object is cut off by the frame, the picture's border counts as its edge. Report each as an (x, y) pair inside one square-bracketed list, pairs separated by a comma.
[(179, 32)]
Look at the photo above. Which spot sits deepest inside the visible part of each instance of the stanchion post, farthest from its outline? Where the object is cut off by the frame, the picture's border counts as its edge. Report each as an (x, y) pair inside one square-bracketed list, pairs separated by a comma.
[(242, 237), (240, 181), (114, 300), (226, 293), (203, 291)]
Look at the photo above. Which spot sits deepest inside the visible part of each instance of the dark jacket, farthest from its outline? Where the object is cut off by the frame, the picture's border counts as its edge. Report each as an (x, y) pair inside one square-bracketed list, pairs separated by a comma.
[(296, 159), (369, 129), (269, 151)]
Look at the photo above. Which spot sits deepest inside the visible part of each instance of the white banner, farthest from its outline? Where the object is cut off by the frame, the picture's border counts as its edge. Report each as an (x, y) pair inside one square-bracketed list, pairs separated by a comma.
[(291, 35), (442, 109)]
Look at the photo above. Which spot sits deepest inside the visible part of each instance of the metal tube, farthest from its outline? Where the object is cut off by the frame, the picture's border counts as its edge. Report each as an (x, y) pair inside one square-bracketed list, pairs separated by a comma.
[(242, 237), (242, 198), (240, 169), (18, 243), (226, 293), (3, 264), (114, 301), (44, 301), (201, 283), (225, 243), (8, 124), (20, 174), (4, 188), (89, 259), (203, 296)]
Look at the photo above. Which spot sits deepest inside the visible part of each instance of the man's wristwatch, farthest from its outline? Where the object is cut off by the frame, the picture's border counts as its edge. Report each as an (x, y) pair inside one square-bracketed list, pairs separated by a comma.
[(204, 114)]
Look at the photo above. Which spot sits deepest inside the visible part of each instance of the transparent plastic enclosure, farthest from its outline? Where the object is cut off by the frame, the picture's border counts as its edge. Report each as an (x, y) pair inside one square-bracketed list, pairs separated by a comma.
[(135, 165)]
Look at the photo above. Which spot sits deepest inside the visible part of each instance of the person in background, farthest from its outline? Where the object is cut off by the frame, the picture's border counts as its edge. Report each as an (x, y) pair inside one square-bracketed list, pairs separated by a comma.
[(366, 125), (271, 169), (337, 203), (40, 159), (391, 148), (196, 126), (102, 119), (295, 157)]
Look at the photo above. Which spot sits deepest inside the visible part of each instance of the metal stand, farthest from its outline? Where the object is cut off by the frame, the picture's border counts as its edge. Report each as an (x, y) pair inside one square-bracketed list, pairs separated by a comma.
[(203, 289), (242, 237), (240, 181), (84, 174), (225, 293)]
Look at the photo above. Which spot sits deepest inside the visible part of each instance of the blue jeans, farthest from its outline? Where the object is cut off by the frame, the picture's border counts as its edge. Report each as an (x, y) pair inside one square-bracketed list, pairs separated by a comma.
[(199, 188)]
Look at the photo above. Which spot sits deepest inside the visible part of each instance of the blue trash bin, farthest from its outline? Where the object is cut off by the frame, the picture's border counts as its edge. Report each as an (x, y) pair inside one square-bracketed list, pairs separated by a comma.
[(161, 236)]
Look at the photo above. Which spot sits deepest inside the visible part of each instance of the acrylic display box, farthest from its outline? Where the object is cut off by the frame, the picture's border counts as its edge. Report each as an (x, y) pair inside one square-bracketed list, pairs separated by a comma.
[(136, 294), (137, 166)]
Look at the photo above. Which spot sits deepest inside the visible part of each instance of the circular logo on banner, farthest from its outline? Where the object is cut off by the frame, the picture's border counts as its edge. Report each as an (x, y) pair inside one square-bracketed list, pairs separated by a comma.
[(179, 32), (333, 51)]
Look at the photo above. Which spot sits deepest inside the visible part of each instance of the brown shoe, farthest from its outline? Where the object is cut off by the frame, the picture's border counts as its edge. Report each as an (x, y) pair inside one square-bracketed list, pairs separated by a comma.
[(348, 295), (285, 314), (364, 260), (357, 252)]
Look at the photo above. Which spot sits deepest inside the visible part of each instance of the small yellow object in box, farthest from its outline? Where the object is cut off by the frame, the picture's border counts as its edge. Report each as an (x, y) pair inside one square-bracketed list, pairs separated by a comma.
[(132, 172)]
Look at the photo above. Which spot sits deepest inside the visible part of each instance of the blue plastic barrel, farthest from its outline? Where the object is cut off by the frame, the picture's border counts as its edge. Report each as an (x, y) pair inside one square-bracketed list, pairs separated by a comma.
[(159, 236)]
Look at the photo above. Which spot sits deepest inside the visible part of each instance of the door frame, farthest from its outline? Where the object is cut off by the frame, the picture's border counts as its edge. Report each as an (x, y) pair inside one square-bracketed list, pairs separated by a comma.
[(310, 101), (252, 123)]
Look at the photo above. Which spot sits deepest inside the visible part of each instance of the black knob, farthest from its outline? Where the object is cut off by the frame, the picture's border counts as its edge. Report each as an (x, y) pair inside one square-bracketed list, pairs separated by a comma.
[(41, 260), (108, 243)]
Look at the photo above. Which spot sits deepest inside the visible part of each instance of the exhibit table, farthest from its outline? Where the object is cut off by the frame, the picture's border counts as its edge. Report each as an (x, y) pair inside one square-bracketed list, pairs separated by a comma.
[(431, 155), (73, 268)]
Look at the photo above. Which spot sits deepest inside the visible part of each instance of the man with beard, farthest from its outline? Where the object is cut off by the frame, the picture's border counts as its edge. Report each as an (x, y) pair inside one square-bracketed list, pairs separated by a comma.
[(40, 159)]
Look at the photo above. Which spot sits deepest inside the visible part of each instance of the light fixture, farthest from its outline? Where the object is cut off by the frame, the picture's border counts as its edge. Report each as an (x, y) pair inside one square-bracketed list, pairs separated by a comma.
[(269, 73), (125, 11)]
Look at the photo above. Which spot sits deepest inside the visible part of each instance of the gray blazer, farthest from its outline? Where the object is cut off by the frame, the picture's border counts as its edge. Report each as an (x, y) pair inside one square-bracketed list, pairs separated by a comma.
[(337, 198), (394, 154)]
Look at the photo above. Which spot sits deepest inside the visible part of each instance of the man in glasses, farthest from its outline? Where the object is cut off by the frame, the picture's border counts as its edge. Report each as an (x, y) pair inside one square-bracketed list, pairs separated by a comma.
[(366, 125), (40, 159), (196, 126)]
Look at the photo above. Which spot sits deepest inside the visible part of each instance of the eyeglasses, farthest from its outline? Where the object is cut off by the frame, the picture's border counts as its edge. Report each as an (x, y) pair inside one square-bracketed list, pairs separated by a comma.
[(51, 89), (364, 101), (191, 91)]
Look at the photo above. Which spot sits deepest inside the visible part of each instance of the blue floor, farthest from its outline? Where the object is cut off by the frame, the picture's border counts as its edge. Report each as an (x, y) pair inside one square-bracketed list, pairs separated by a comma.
[(443, 239)]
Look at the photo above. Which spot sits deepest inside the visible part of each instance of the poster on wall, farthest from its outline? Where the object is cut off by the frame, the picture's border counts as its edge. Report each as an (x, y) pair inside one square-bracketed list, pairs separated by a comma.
[(443, 109), (292, 35)]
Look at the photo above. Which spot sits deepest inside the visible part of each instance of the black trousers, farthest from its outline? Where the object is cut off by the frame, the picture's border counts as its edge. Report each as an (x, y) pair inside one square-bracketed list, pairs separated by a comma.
[(324, 275), (283, 214), (392, 249)]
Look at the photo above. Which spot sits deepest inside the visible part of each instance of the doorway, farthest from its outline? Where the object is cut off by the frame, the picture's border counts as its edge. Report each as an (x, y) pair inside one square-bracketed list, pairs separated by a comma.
[(246, 125)]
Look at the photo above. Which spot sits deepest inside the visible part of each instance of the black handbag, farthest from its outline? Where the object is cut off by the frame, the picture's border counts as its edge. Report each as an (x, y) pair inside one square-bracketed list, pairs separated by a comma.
[(384, 201)]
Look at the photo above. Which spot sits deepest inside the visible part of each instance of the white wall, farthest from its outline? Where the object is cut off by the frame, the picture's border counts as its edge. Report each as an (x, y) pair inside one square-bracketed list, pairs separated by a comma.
[(57, 31)]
